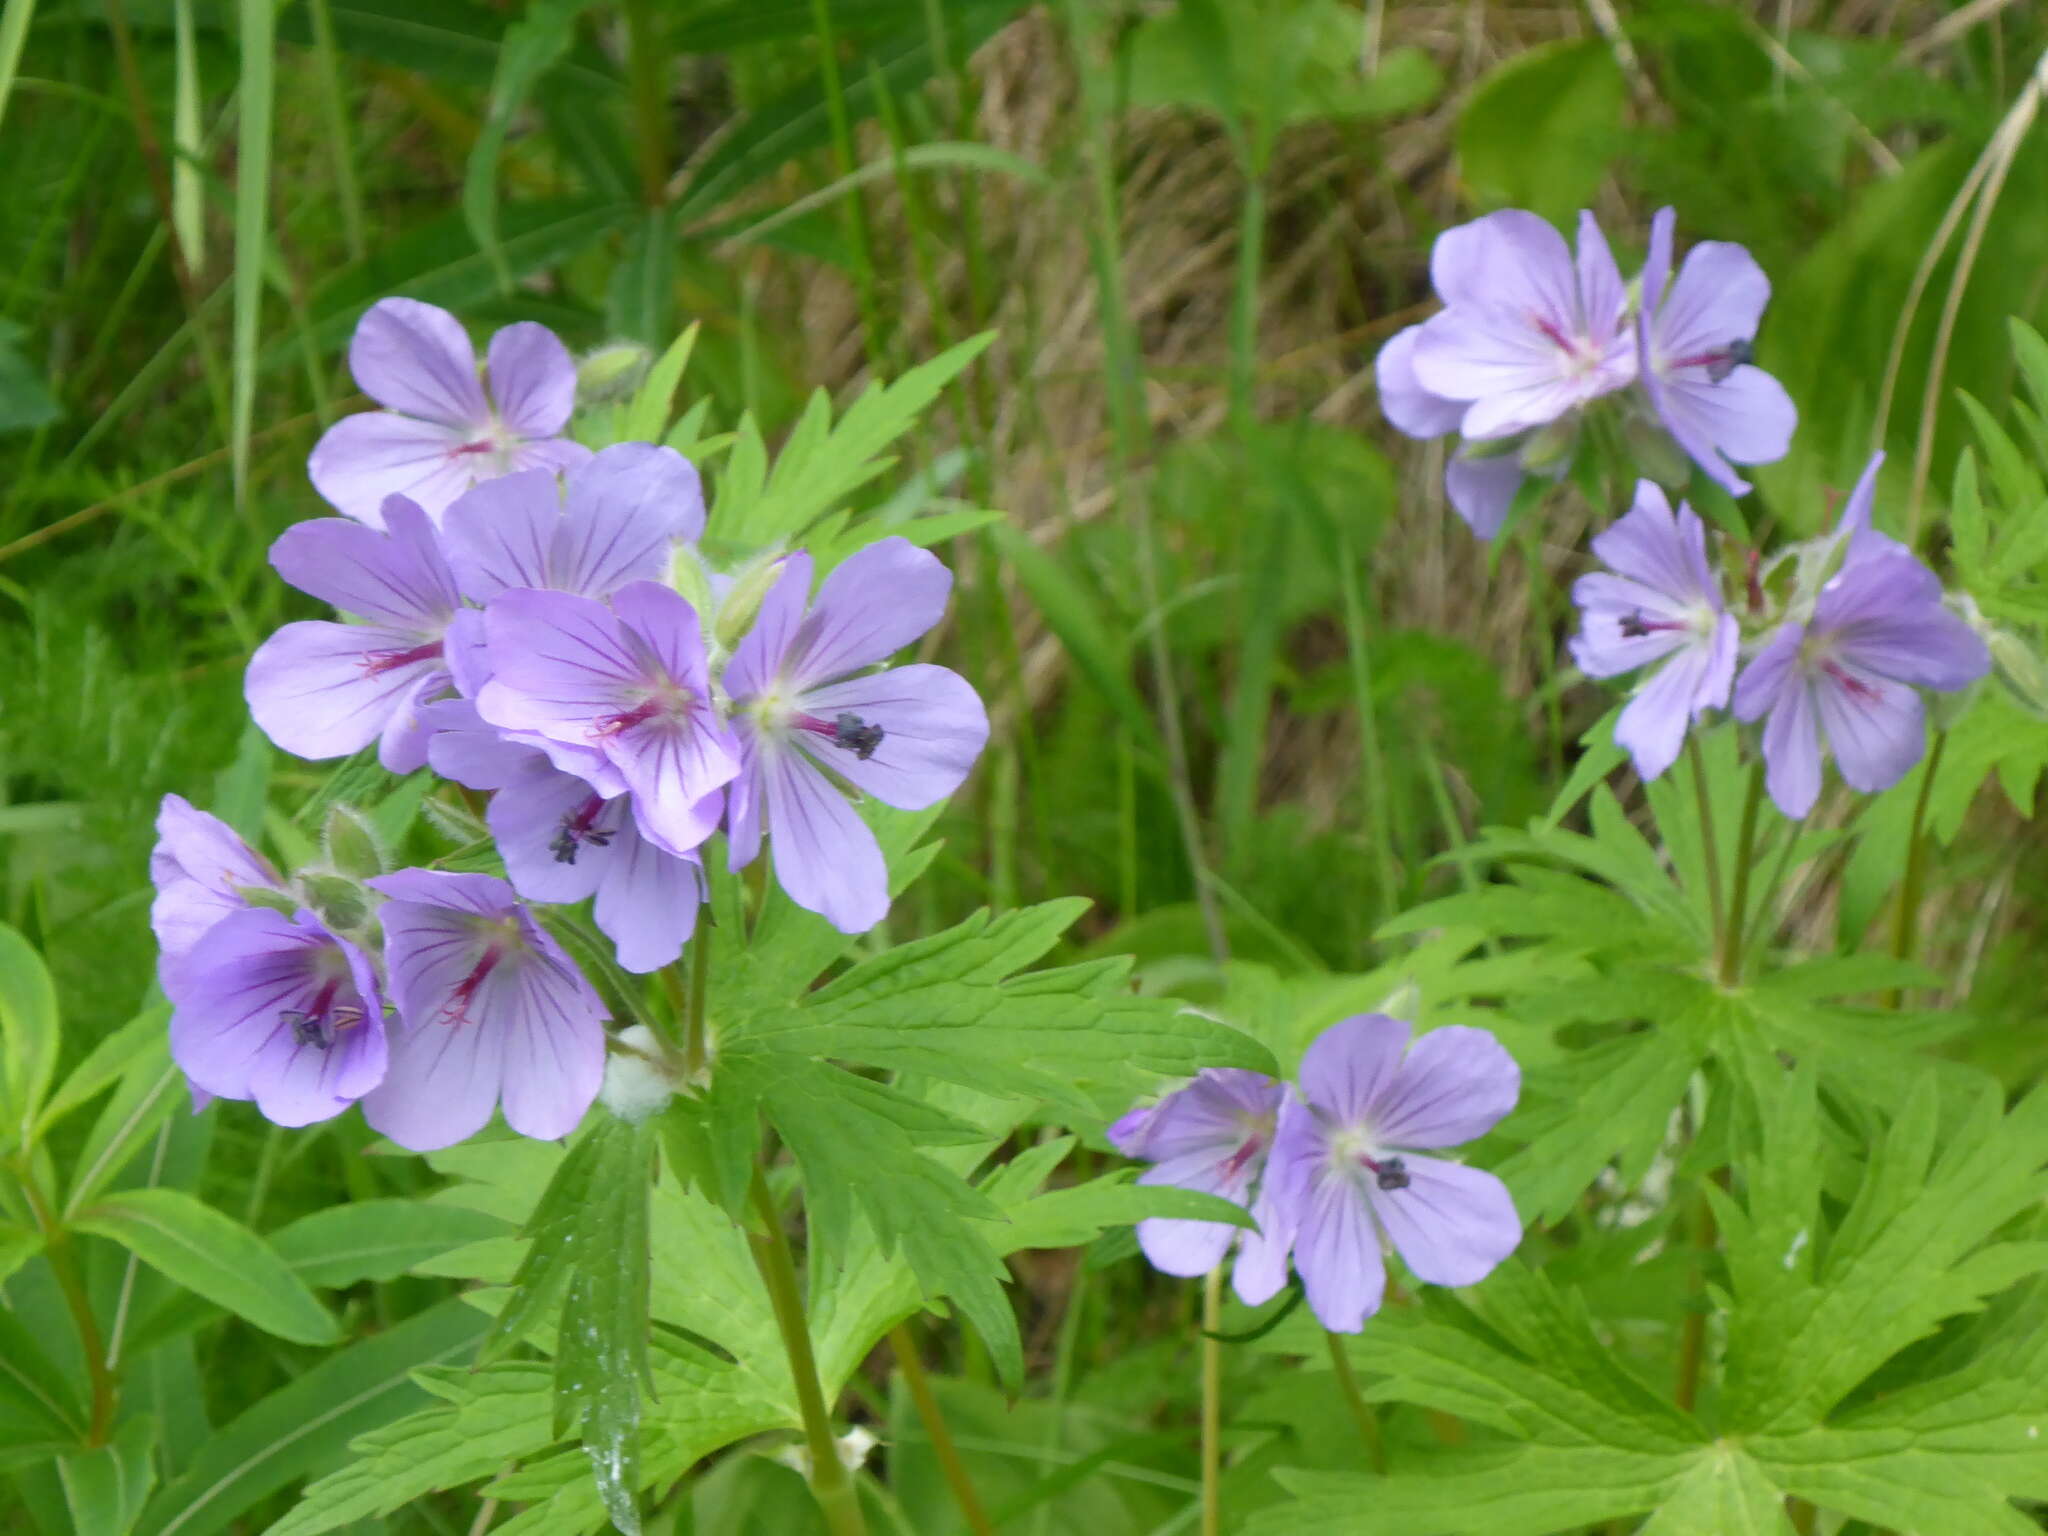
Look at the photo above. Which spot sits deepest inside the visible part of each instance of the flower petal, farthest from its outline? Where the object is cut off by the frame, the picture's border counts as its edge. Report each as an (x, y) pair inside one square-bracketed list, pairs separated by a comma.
[(1176, 1246), (558, 663), (1491, 355), (1746, 417), (402, 744), (398, 577), (1664, 550), (415, 358), (526, 819), (1602, 297), (1481, 491), (1403, 401), (933, 728), (1456, 1084), (648, 901), (1351, 1067), (1874, 725), (1452, 1225), (1717, 298), (758, 661), (532, 378), (1653, 724), (1337, 1253), (314, 689), (364, 458), (440, 1088), (198, 865), (1792, 750), (553, 1051), (1262, 1256), (501, 532), (1209, 1117), (874, 603), (825, 856), (642, 488)]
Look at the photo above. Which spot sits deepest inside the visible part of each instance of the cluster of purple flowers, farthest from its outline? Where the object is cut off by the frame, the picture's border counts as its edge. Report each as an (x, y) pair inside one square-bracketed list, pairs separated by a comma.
[(1330, 1167), (1829, 643), (516, 619), (1530, 338)]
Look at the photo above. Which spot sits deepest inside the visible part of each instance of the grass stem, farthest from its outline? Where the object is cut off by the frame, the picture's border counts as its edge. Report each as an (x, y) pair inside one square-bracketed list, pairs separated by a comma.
[(904, 1344)]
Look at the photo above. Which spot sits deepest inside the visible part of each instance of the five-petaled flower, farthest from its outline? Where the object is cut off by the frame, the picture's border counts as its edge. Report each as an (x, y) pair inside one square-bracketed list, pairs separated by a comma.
[(1660, 603), (808, 713), (442, 428), (1851, 672), (1345, 1173), (489, 1008), (200, 867)]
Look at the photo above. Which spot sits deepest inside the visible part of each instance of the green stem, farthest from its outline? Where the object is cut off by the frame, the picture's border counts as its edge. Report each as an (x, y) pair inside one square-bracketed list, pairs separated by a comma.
[(1212, 1403), (905, 1346), (1738, 903), (1906, 919), (1361, 1410), (696, 1028), (1374, 786), (830, 1482), (1692, 1339), (64, 1266), (1710, 850)]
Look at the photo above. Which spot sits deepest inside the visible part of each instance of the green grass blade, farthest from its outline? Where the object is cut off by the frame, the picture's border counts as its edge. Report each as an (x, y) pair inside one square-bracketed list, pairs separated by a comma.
[(252, 214), (14, 24)]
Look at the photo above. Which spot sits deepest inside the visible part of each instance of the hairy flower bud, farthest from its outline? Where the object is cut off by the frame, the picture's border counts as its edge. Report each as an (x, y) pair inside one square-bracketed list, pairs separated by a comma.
[(352, 845), (637, 1080), (611, 372)]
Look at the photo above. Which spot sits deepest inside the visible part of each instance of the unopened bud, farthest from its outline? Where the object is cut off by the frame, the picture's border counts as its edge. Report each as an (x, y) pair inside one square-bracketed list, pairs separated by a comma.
[(1548, 449), (2019, 667), (352, 845), (742, 601), (611, 372), (1404, 1003), (341, 903)]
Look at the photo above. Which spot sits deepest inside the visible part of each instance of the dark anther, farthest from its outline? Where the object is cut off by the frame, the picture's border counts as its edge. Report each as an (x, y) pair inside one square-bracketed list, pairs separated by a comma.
[(856, 735), (1737, 353), (1632, 626), (577, 829), (1392, 1174), (305, 1028)]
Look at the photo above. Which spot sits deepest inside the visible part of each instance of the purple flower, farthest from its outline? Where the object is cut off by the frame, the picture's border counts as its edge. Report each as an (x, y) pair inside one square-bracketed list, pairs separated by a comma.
[(489, 1007), (1345, 1172), (1528, 335), (808, 716), (320, 689), (442, 430), (611, 520), (1660, 604), (199, 866), (563, 841), (1212, 1136), (1879, 631), (630, 681), (279, 1010), (1693, 349)]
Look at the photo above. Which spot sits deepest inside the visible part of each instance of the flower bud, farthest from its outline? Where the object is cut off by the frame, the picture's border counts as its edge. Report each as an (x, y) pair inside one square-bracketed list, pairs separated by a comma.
[(611, 372), (2020, 668), (742, 601), (351, 844), (1548, 449), (265, 896), (343, 905), (1657, 456)]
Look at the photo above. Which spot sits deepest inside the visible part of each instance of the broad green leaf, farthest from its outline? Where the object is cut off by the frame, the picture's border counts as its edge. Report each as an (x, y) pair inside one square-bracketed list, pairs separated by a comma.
[(1724, 1494), (149, 1092), (105, 1064), (197, 1247), (18, 1244), (40, 1412), (28, 1034), (105, 1488), (1539, 131), (25, 400), (1531, 1490), (375, 1239), (305, 1425), (647, 418)]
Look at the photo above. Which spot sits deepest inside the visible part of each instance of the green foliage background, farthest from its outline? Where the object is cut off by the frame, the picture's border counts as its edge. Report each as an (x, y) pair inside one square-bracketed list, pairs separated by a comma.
[(1257, 697)]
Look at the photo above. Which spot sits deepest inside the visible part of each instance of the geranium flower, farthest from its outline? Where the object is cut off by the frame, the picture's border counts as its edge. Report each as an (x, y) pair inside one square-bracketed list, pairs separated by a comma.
[(1212, 1136), (199, 866), (489, 1008), (807, 715), (280, 1010), (442, 429), (1661, 603), (1345, 1174), (1693, 348)]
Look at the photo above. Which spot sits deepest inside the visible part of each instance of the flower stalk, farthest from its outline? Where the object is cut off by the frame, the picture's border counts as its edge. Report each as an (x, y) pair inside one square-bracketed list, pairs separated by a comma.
[(904, 1344)]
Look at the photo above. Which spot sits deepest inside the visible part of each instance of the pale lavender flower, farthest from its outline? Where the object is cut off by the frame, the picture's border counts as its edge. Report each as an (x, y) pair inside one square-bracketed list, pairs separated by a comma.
[(1693, 349), (808, 715), (563, 841), (1528, 335), (629, 680), (200, 866), (1345, 1173), (280, 1010), (1213, 1136), (1660, 604), (489, 1008), (1878, 633), (443, 429), (320, 689), (611, 520)]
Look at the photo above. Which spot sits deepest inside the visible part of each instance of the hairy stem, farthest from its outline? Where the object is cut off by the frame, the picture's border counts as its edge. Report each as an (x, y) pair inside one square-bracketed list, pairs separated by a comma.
[(696, 1032), (1361, 1411), (905, 1346), (830, 1482), (64, 1265), (1738, 902), (1692, 1339), (1710, 850), (1906, 917)]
